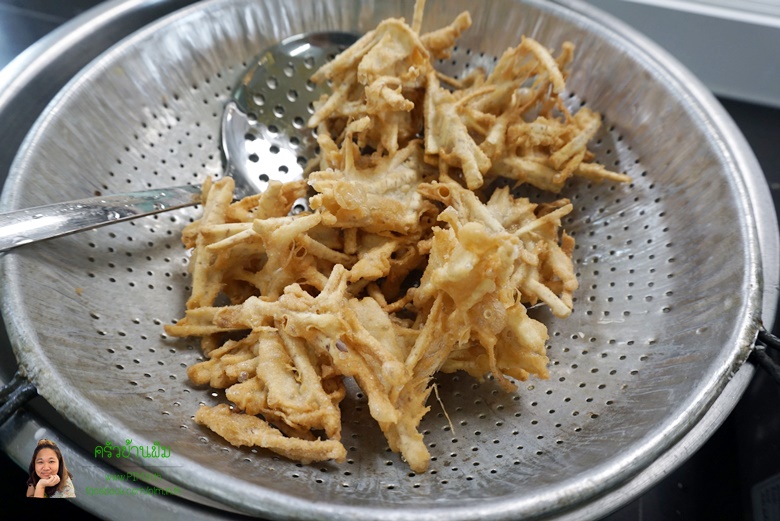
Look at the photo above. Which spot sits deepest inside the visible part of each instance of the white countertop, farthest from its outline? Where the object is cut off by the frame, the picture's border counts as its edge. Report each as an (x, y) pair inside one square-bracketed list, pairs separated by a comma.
[(731, 45)]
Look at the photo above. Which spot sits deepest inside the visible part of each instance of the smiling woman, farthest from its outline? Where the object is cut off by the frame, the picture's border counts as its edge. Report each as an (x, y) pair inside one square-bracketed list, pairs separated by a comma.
[(710, 485), (48, 475)]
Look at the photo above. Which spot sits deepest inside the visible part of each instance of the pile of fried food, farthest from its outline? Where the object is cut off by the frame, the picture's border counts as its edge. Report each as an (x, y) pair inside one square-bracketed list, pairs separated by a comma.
[(410, 262)]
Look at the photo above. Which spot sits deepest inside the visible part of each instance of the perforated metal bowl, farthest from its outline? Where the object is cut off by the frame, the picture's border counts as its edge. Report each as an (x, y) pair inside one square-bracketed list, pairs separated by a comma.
[(669, 267)]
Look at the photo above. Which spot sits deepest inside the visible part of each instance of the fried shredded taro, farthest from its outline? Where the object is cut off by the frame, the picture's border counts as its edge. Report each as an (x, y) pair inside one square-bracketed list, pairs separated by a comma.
[(411, 262)]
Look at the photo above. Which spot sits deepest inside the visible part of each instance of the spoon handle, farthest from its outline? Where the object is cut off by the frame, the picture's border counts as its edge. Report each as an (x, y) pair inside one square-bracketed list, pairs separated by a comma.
[(54, 220)]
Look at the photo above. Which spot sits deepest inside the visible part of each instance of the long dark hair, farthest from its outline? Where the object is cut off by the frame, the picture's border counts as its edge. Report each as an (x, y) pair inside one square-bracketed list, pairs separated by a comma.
[(62, 472)]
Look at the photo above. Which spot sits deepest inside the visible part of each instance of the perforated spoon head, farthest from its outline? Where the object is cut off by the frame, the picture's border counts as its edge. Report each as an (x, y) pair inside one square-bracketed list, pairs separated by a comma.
[(264, 127), (264, 137)]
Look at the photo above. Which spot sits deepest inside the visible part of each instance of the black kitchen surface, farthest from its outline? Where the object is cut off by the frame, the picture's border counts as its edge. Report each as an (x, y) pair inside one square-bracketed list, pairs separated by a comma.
[(714, 484)]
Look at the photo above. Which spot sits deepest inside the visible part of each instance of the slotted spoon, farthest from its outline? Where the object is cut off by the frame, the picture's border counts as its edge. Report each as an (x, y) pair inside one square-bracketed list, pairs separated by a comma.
[(672, 272), (260, 142)]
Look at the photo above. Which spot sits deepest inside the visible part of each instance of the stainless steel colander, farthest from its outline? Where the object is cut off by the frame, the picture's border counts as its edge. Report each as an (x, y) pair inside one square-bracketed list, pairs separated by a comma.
[(670, 273)]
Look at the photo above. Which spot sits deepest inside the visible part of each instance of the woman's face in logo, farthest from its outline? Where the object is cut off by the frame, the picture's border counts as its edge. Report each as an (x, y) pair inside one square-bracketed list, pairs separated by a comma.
[(46, 463)]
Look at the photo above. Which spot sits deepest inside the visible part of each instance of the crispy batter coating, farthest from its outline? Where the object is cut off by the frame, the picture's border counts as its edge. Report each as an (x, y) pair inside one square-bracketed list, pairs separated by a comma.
[(252, 431), (411, 261)]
